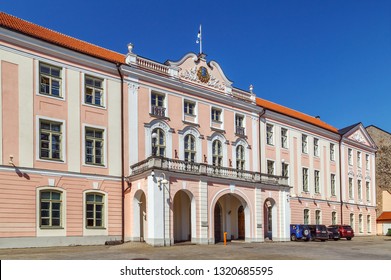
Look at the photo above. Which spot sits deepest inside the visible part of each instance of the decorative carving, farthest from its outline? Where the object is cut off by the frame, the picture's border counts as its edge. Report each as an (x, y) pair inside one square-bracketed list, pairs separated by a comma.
[(357, 136), (202, 76)]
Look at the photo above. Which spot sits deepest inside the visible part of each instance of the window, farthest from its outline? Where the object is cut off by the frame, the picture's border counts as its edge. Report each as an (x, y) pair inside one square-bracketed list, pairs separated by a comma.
[(284, 168), (216, 115), (367, 162), (369, 228), (50, 208), (94, 146), (157, 105), (189, 108), (333, 184), (350, 156), (239, 124), (50, 140), (284, 138), (334, 218), (360, 223), (93, 91), (305, 179), (351, 220), (94, 210), (306, 216), (316, 147), (158, 142), (270, 167), (359, 189), (367, 191), (50, 80), (317, 217), (240, 157), (317, 187), (190, 150), (269, 134), (350, 188), (217, 153), (304, 144), (332, 152), (359, 159)]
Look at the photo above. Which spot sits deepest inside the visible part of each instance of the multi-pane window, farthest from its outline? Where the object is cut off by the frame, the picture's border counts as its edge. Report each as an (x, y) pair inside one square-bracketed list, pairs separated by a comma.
[(332, 152), (158, 142), (359, 190), (94, 210), (304, 144), (351, 220), (305, 179), (333, 184), (240, 157), (94, 146), (269, 134), (284, 169), (369, 228), (190, 149), (350, 188), (367, 162), (316, 147), (284, 138), (50, 80), (157, 105), (239, 124), (359, 159), (93, 91), (317, 217), (317, 181), (360, 223), (270, 167), (306, 216), (367, 191), (217, 153), (350, 156), (50, 140), (50, 208), (216, 115), (334, 218), (189, 108)]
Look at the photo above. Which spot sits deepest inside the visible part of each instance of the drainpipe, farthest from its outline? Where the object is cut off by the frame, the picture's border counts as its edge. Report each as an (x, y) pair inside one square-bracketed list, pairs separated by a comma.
[(340, 177), (122, 157), (260, 147)]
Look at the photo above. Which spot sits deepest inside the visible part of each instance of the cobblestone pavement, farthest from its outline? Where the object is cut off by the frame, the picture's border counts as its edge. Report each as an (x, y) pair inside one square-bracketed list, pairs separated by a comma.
[(360, 248)]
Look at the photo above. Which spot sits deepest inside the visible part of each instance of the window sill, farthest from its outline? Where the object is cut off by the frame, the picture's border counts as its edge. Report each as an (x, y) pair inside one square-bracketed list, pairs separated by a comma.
[(94, 165), (94, 106), (190, 123), (51, 96), (159, 117), (50, 228), (217, 129), (96, 228), (51, 160)]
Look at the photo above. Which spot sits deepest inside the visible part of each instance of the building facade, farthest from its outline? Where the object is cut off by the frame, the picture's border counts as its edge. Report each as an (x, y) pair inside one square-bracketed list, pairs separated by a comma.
[(103, 147)]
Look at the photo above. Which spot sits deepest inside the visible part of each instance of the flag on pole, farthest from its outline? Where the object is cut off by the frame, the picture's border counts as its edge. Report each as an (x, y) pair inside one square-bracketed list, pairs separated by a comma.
[(199, 38)]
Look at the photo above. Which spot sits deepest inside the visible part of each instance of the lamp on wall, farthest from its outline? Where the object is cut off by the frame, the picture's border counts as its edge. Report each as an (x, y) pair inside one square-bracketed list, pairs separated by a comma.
[(11, 161)]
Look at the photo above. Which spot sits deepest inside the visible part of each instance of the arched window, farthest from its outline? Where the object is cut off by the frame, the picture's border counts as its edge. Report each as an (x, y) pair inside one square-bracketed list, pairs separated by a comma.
[(50, 209), (94, 210), (190, 150), (217, 153), (158, 142), (240, 157)]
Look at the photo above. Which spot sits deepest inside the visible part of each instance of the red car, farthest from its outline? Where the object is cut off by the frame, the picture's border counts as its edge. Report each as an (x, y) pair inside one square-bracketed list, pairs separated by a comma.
[(345, 231)]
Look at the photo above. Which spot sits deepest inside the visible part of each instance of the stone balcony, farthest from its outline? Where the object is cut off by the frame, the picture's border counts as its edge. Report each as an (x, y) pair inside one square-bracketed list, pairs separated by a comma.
[(201, 169)]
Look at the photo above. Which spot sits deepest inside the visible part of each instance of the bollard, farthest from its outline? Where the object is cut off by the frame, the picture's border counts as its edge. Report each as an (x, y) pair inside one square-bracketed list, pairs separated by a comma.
[(225, 238)]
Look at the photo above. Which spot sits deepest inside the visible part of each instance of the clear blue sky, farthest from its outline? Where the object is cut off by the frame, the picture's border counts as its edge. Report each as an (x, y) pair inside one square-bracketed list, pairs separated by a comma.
[(330, 58)]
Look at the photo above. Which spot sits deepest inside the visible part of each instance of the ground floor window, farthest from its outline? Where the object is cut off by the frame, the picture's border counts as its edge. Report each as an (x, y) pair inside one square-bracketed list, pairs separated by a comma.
[(306, 216), (94, 210), (50, 208)]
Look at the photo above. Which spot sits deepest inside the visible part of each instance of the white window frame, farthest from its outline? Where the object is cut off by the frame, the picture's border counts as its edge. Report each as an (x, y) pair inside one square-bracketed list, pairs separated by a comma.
[(286, 146), (220, 121), (242, 142), (38, 80), (332, 152), (304, 144), (308, 212), (270, 134), (333, 190), (368, 191), (317, 181), (193, 131), (165, 102), (351, 188), (272, 164), (367, 162), (318, 217), (316, 147), (359, 189), (218, 136), (350, 156), (334, 218), (369, 224), (305, 186), (359, 159)]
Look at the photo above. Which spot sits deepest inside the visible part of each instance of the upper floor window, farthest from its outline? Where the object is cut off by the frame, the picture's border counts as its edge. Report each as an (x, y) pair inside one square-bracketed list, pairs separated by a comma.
[(94, 210), (190, 150), (367, 191), (359, 159), (157, 105), (216, 115), (270, 167), (367, 162), (93, 91), (240, 157), (284, 138), (158, 142), (305, 179), (316, 147), (50, 209), (317, 181), (332, 152), (189, 108), (239, 125), (217, 153), (359, 190), (94, 146), (50, 140), (350, 156), (350, 188), (50, 80), (333, 184), (269, 134), (304, 144), (284, 169)]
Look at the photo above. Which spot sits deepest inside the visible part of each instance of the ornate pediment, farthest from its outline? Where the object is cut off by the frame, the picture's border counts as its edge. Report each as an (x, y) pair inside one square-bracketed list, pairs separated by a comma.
[(359, 137), (357, 133)]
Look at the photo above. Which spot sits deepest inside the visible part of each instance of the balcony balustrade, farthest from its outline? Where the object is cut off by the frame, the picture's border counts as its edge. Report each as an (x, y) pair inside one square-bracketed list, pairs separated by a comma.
[(158, 111), (240, 131)]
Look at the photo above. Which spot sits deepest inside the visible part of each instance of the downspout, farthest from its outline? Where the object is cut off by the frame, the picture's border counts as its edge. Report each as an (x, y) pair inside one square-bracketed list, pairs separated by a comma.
[(340, 177), (260, 147), (122, 157)]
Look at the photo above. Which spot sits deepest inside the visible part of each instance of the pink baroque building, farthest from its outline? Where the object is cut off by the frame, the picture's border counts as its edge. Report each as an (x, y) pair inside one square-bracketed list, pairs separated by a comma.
[(103, 147)]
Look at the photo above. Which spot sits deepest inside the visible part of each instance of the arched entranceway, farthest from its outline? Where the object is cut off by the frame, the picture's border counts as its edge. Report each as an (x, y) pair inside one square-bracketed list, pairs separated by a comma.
[(231, 215), (270, 218), (139, 216), (184, 216)]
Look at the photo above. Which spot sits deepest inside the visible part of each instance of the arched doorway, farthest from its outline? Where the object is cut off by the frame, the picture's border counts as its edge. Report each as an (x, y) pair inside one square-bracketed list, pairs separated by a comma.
[(270, 218), (182, 217), (139, 216)]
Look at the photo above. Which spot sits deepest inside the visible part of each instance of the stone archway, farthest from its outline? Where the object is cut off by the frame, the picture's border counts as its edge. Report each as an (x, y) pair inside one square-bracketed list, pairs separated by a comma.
[(183, 216), (139, 216)]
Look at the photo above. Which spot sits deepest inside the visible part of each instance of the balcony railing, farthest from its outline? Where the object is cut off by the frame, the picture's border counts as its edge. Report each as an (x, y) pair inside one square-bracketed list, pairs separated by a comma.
[(240, 131), (158, 111), (180, 166)]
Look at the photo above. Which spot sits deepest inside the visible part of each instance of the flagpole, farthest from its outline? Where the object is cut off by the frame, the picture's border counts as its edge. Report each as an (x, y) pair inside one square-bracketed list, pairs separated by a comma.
[(200, 39)]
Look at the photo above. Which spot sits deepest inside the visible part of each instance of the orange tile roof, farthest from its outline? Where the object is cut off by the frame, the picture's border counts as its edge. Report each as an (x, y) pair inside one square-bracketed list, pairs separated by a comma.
[(39, 32), (385, 216), (294, 114)]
